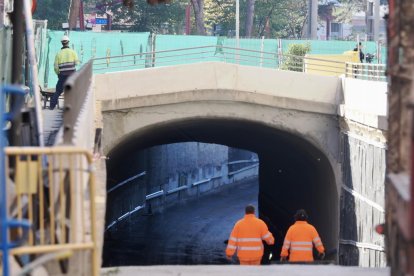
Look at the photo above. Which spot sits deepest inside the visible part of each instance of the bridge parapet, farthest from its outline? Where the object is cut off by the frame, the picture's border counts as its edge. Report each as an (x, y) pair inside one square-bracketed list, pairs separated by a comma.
[(218, 81)]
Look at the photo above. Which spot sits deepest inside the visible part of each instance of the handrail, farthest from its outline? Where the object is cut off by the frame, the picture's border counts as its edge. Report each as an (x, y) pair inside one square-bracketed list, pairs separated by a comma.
[(243, 169), (215, 47), (126, 181), (224, 54), (243, 161), (154, 195)]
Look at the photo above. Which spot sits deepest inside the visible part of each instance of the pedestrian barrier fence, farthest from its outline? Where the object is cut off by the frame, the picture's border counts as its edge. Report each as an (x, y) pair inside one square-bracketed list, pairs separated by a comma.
[(54, 190), (279, 61), (366, 71)]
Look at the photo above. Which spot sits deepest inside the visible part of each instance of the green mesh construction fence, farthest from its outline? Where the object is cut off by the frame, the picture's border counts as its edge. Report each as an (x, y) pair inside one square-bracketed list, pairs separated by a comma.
[(263, 52), (89, 45)]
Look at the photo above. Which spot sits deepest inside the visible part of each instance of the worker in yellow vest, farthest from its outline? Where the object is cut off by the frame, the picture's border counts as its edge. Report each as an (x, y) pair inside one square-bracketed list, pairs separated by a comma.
[(246, 238), (65, 65)]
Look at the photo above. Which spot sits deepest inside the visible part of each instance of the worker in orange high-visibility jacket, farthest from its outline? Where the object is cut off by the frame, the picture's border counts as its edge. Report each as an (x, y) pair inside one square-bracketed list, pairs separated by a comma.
[(300, 239), (246, 238)]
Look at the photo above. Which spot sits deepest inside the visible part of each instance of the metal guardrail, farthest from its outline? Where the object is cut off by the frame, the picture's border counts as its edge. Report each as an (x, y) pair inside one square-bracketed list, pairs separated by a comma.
[(366, 71), (175, 190), (203, 181), (220, 53), (127, 214), (162, 193), (154, 195), (243, 169), (243, 161), (119, 185), (57, 199)]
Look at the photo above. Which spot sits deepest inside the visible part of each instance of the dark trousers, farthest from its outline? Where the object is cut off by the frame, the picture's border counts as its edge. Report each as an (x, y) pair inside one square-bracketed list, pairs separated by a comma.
[(59, 90)]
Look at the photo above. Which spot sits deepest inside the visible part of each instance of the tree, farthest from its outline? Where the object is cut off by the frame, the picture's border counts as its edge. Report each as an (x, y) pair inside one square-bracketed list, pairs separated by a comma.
[(73, 13), (220, 12), (348, 8), (56, 12), (146, 18), (198, 7), (325, 12), (249, 17), (285, 18)]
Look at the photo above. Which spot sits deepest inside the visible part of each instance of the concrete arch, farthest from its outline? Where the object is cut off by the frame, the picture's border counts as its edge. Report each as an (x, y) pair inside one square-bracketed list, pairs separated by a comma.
[(289, 119), (318, 129), (288, 155)]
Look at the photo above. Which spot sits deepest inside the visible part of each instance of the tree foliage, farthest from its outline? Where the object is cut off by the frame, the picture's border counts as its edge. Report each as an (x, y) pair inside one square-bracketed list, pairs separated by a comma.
[(271, 18), (56, 12), (142, 17), (286, 17), (293, 60)]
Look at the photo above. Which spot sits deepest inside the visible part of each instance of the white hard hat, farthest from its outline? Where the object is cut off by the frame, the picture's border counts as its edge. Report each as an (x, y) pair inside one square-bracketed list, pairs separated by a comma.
[(65, 38)]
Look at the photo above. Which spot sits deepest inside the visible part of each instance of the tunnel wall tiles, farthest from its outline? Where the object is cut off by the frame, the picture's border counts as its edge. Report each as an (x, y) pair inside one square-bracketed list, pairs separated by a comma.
[(362, 202)]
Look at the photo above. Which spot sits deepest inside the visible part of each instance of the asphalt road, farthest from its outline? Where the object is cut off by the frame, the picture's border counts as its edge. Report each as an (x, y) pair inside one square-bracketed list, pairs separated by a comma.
[(189, 233)]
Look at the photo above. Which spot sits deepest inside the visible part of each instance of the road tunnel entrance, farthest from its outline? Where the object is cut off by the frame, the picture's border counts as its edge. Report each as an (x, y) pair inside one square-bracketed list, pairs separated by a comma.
[(293, 174)]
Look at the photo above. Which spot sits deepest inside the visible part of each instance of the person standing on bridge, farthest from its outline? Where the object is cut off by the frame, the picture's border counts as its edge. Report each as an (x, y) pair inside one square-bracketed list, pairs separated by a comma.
[(65, 65), (246, 238), (300, 239)]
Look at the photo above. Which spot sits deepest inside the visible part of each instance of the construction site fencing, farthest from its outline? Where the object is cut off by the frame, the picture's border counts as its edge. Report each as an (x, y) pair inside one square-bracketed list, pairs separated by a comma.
[(57, 199), (90, 45)]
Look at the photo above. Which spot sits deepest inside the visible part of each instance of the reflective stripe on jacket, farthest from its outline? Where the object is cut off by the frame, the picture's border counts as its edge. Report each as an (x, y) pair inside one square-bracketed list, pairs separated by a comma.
[(299, 240), (246, 238), (65, 61)]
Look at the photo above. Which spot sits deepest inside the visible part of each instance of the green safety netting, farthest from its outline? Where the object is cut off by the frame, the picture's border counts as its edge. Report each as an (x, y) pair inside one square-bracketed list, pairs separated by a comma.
[(92, 44), (173, 42), (254, 57), (109, 45)]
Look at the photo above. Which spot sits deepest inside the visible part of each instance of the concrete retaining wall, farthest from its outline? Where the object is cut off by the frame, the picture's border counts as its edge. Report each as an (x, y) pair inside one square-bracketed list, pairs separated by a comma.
[(362, 202), (174, 173)]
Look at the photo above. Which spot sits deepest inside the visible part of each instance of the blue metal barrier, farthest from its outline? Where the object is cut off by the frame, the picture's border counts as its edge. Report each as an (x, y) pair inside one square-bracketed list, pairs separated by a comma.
[(5, 222)]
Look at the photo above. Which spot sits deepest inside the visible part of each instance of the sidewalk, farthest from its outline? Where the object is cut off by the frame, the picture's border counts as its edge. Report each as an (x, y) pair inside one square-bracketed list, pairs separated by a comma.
[(228, 270)]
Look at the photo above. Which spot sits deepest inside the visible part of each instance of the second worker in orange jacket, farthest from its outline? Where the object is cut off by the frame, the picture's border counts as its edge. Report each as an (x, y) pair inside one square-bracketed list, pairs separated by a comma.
[(300, 239), (246, 238)]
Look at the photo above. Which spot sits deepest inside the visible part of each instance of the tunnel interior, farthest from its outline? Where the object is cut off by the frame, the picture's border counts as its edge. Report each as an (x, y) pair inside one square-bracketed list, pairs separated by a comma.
[(293, 173)]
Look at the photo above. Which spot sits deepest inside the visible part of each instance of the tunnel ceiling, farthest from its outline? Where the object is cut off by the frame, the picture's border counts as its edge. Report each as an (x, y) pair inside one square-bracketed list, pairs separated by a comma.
[(252, 136)]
